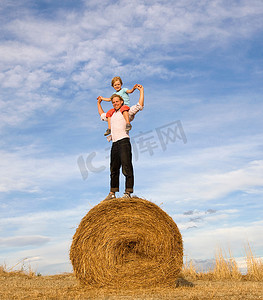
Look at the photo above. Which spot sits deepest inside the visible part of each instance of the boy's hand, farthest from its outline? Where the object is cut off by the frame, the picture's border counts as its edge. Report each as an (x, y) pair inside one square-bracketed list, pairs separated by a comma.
[(99, 99)]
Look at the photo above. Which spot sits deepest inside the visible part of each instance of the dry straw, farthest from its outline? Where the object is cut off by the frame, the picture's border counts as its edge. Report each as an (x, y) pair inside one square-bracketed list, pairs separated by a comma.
[(127, 243)]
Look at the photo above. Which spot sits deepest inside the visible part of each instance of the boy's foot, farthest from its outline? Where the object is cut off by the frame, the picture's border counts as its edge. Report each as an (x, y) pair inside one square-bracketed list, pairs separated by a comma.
[(128, 127), (110, 196), (108, 131), (126, 195)]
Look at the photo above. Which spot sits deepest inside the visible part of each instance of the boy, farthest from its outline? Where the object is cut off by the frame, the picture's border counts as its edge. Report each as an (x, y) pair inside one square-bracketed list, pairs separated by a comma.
[(116, 83)]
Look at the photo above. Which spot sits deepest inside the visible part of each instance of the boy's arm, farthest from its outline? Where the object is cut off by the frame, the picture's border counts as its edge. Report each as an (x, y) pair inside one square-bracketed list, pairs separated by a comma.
[(132, 90), (104, 99)]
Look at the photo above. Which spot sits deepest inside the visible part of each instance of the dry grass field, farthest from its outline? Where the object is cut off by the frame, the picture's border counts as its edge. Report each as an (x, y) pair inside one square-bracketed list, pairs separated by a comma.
[(21, 286), (224, 281)]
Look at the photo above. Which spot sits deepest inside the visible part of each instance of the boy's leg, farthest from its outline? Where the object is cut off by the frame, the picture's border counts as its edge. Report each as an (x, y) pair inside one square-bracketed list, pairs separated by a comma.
[(126, 117), (108, 115), (108, 131)]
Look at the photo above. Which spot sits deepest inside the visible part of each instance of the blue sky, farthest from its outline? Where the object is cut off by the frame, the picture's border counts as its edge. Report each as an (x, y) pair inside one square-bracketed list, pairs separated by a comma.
[(200, 63)]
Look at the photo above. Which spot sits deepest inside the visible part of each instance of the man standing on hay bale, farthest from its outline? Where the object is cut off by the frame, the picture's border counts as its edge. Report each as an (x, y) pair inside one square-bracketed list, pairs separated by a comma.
[(121, 154)]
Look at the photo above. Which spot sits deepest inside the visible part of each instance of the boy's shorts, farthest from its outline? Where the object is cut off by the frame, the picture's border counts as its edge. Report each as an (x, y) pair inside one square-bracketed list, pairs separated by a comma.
[(122, 109)]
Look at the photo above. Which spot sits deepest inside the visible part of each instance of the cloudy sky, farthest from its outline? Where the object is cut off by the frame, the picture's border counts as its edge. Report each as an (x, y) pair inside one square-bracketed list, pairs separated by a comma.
[(197, 145)]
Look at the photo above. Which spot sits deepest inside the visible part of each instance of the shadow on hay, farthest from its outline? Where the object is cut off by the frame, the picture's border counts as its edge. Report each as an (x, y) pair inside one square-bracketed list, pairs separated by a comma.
[(127, 243)]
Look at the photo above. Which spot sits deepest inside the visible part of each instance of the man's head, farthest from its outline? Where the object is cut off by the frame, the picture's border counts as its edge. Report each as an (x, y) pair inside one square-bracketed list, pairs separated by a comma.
[(116, 83), (116, 101)]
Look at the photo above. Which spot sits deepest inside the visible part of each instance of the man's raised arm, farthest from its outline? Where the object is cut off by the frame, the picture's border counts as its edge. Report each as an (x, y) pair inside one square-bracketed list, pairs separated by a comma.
[(141, 99), (100, 110)]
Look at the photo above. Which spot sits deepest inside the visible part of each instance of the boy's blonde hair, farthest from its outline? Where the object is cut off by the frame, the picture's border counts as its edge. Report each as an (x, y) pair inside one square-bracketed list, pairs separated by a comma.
[(118, 96), (114, 79)]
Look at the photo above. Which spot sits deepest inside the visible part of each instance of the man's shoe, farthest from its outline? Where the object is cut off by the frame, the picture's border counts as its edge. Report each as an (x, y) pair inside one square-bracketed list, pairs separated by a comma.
[(126, 195), (108, 131), (110, 196), (128, 127)]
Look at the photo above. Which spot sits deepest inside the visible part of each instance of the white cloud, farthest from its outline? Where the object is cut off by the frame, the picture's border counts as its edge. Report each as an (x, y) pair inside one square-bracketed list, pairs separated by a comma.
[(204, 174), (84, 48), (22, 241), (49, 249), (203, 243), (16, 53), (19, 77), (41, 219), (25, 172), (87, 37), (52, 258), (212, 185), (22, 105)]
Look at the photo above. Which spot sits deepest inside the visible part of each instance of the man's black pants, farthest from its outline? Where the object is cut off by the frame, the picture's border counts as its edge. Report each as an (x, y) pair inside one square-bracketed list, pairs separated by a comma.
[(121, 156)]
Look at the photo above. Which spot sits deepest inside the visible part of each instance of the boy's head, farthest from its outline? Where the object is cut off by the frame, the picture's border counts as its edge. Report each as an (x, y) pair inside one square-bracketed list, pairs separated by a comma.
[(116, 83)]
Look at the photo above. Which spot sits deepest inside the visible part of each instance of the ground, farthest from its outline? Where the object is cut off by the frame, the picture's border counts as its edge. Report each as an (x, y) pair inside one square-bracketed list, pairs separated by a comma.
[(21, 286)]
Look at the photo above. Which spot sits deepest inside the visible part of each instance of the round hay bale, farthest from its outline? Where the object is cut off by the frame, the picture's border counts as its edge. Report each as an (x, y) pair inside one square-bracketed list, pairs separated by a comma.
[(127, 243)]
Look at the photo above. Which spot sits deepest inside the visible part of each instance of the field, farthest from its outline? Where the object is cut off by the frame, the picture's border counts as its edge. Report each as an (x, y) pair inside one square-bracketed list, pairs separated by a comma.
[(22, 286), (224, 281)]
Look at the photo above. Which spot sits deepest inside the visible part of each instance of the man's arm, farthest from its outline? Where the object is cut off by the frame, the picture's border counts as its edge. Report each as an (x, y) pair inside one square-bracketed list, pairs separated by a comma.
[(139, 106), (141, 99), (100, 110)]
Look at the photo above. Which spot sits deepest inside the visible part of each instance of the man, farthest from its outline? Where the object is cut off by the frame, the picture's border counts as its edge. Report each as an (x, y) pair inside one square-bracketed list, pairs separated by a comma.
[(121, 154)]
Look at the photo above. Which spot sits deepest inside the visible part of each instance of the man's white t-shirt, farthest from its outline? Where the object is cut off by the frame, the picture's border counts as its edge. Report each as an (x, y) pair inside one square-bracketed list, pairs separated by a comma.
[(118, 123)]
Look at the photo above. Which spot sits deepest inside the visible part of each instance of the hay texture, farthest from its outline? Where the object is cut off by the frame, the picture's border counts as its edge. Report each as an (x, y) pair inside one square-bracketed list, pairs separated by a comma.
[(127, 243)]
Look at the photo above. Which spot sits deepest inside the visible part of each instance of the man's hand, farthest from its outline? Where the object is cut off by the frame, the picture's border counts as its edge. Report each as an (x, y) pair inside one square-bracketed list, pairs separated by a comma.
[(99, 99)]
